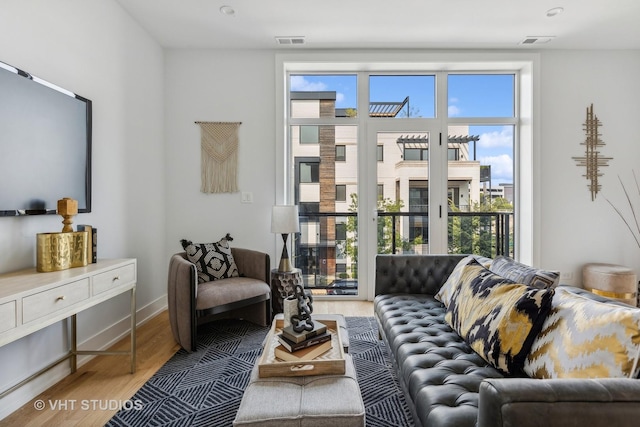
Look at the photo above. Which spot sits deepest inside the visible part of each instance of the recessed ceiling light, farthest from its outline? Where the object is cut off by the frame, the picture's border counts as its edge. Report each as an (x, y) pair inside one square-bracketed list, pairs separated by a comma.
[(227, 10), (554, 12)]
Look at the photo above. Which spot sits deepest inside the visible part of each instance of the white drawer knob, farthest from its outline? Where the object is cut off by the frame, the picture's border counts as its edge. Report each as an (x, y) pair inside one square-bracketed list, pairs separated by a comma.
[(116, 278), (61, 298)]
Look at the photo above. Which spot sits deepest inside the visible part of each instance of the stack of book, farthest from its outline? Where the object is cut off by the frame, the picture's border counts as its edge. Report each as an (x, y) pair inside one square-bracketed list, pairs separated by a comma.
[(301, 346)]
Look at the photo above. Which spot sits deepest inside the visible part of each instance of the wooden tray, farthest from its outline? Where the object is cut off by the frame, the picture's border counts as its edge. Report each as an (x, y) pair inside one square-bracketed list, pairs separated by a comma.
[(331, 362)]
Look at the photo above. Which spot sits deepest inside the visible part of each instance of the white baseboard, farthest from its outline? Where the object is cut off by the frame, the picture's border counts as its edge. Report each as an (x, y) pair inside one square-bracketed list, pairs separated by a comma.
[(101, 341)]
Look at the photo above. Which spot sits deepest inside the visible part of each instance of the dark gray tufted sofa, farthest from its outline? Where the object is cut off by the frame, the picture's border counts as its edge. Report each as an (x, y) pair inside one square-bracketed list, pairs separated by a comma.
[(447, 384)]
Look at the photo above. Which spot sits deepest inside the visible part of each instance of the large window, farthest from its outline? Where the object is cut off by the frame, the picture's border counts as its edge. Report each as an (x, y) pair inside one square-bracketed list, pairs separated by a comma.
[(325, 143)]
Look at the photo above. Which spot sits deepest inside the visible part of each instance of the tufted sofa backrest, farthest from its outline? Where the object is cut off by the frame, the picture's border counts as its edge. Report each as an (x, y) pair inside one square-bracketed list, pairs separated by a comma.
[(413, 274)]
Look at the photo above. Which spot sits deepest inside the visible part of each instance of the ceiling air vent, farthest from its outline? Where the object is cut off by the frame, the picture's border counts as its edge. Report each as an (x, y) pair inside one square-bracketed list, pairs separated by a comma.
[(536, 40), (298, 40)]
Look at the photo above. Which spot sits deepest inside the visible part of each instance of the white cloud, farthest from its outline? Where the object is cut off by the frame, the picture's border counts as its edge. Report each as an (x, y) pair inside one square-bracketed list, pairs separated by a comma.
[(453, 111), (501, 167), (502, 138), (299, 83)]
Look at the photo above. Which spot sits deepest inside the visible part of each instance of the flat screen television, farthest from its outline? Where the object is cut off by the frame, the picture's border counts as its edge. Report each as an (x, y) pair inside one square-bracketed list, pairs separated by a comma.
[(45, 145)]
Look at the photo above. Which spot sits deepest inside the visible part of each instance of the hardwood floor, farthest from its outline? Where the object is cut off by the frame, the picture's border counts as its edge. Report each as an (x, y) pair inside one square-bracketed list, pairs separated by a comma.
[(92, 395)]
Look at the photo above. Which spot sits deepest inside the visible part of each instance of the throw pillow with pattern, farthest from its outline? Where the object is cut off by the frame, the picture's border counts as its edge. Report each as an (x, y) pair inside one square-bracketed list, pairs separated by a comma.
[(521, 273), (213, 261), (498, 318), (584, 338), (452, 282)]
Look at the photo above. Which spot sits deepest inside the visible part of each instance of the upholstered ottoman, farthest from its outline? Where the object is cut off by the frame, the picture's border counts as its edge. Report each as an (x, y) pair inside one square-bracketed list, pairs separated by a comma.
[(311, 401), (611, 281)]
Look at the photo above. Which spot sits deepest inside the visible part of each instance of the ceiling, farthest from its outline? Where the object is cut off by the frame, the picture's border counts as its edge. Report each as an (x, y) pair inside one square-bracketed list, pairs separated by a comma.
[(382, 24)]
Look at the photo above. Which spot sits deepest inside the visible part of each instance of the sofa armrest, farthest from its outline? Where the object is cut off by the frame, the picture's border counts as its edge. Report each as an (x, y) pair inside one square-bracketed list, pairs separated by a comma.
[(413, 274), (253, 264), (529, 402)]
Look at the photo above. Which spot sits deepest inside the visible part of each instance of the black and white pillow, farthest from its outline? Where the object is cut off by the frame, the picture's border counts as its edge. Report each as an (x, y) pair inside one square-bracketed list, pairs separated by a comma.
[(213, 261)]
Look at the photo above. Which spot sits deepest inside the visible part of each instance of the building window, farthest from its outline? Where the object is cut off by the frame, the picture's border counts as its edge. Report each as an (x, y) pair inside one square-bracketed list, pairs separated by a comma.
[(453, 154), (308, 208), (380, 153), (380, 191), (309, 135), (341, 153), (309, 172), (416, 154), (341, 193), (418, 196), (341, 231)]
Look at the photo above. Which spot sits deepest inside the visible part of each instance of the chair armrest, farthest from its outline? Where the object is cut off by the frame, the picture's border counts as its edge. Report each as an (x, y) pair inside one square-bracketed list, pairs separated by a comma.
[(253, 264), (181, 296), (529, 402)]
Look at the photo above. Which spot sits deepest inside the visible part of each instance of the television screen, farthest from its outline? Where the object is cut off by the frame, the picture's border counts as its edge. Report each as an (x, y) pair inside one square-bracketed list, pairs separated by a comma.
[(45, 145)]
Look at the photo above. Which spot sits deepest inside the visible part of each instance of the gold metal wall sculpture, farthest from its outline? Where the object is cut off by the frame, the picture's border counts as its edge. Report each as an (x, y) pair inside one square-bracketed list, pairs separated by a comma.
[(592, 159)]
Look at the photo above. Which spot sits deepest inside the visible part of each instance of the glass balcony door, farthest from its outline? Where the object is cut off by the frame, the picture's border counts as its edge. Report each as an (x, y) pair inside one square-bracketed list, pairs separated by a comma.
[(407, 203)]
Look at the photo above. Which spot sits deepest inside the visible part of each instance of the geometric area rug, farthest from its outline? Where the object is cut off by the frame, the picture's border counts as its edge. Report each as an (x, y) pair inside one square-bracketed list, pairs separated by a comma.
[(204, 388)]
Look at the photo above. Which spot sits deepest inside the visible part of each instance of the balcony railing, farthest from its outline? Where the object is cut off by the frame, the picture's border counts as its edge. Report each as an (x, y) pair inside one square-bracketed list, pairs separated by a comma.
[(327, 248)]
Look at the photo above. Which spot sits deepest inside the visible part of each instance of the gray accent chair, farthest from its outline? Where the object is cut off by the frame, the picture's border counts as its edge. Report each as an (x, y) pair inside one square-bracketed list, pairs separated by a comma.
[(191, 303)]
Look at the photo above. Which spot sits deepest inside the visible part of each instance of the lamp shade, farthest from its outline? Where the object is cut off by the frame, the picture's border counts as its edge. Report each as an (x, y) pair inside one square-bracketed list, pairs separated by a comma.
[(284, 219)]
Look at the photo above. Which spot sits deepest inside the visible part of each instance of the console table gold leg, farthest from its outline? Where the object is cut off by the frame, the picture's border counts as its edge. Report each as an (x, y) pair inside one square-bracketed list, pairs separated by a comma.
[(133, 330), (74, 344)]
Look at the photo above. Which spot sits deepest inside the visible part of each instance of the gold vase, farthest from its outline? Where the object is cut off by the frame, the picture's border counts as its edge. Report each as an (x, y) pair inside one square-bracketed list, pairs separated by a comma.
[(60, 251)]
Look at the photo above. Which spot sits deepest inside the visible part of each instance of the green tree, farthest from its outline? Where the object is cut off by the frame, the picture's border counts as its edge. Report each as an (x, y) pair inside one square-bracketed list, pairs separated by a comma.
[(351, 112), (384, 232), (474, 234)]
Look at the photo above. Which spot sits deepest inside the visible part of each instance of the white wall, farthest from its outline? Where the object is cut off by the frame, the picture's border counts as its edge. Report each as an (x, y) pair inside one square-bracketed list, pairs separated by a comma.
[(575, 230), (93, 48), (220, 86)]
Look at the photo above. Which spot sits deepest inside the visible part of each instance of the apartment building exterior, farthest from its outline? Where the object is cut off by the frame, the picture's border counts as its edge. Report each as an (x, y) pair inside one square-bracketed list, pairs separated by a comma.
[(326, 185)]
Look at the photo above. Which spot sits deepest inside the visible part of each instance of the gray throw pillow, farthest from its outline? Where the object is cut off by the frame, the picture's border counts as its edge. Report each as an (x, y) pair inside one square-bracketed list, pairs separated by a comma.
[(521, 273)]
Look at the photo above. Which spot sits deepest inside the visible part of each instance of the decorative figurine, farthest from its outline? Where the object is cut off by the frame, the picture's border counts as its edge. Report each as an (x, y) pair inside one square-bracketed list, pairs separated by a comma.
[(302, 321)]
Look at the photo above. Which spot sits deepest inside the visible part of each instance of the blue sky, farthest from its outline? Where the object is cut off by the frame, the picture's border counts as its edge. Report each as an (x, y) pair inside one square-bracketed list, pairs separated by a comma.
[(469, 96)]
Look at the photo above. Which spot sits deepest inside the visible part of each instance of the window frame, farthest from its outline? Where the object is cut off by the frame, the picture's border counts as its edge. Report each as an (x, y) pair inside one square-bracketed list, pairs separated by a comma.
[(527, 126)]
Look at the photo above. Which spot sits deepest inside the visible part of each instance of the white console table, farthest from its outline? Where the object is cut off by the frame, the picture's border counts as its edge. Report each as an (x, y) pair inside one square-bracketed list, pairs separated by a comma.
[(30, 301)]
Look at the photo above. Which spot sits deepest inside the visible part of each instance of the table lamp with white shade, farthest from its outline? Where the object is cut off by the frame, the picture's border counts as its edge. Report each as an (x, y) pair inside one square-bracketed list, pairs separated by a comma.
[(284, 220)]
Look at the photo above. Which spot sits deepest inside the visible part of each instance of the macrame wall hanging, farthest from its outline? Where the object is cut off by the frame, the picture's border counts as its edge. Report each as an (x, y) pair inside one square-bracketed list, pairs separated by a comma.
[(219, 157)]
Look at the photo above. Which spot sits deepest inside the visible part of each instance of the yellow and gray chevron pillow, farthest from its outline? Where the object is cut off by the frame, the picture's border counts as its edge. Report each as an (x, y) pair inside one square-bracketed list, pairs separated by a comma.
[(584, 338), (498, 318)]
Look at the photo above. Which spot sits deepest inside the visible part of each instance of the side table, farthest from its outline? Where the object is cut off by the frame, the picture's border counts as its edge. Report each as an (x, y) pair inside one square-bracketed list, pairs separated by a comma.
[(282, 285)]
